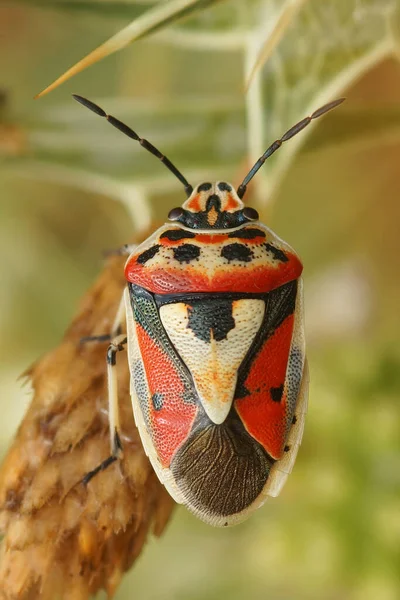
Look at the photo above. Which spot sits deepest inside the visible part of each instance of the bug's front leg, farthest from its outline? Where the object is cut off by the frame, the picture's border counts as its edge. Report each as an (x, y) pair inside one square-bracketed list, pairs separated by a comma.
[(115, 329), (124, 250), (117, 345)]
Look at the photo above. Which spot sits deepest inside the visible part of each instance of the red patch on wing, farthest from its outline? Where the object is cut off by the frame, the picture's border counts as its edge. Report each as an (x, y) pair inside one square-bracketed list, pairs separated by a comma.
[(264, 418), (225, 278), (171, 424)]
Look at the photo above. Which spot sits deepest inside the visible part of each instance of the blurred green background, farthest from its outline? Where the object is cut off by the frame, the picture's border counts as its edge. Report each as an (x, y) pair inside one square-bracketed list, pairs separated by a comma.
[(71, 187)]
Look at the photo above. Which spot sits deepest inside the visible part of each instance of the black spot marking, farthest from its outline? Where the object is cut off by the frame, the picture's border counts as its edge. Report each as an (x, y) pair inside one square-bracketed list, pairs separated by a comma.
[(204, 187), (177, 234), (276, 253), (148, 254), (157, 400), (248, 233), (224, 187), (286, 449), (213, 201), (186, 253), (237, 252), (276, 393), (294, 420), (211, 316), (225, 219)]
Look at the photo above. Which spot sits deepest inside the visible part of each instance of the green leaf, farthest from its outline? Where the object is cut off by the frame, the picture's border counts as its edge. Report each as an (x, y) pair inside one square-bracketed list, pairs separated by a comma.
[(316, 49), (281, 22), (324, 48)]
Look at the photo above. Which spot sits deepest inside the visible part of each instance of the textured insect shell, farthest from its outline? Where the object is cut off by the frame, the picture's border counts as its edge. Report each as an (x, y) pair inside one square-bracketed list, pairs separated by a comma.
[(278, 470), (156, 266)]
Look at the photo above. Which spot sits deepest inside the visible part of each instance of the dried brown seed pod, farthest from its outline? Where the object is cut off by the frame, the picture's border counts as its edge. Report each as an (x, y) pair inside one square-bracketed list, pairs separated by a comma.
[(62, 539)]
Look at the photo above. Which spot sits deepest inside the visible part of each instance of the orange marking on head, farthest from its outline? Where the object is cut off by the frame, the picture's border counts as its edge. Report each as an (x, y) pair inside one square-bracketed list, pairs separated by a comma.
[(194, 204), (212, 216), (231, 203)]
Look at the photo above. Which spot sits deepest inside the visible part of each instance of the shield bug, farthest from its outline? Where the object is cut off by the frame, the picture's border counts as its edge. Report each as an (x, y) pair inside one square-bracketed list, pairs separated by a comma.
[(216, 349)]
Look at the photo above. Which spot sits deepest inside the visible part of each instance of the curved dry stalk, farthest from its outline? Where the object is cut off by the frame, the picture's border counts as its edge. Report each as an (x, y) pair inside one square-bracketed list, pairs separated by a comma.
[(155, 18), (282, 21), (60, 538)]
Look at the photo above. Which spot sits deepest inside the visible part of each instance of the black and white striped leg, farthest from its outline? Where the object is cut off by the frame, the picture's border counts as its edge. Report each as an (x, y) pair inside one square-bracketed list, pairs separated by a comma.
[(117, 345)]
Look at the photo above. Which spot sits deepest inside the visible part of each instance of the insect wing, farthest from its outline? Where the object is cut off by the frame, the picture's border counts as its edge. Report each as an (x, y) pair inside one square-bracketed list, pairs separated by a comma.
[(270, 379), (162, 395)]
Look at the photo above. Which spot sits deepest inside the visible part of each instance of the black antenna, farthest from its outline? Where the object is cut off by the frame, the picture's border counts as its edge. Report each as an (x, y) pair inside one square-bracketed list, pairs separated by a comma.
[(132, 134), (286, 136)]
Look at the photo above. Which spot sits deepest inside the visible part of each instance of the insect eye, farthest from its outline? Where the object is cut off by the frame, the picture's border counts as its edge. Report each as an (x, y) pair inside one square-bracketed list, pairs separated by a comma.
[(250, 213), (175, 214)]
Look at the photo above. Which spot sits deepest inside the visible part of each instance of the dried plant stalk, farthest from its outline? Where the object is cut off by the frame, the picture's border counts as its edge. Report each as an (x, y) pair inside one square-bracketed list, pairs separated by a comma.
[(62, 539)]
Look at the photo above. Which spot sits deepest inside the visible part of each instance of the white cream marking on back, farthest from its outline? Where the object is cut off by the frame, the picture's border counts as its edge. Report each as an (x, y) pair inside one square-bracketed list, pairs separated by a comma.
[(214, 365)]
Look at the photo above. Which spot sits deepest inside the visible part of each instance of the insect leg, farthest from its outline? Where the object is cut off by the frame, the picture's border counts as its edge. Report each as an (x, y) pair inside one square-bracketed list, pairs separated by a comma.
[(124, 250), (119, 319), (116, 328), (117, 345)]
